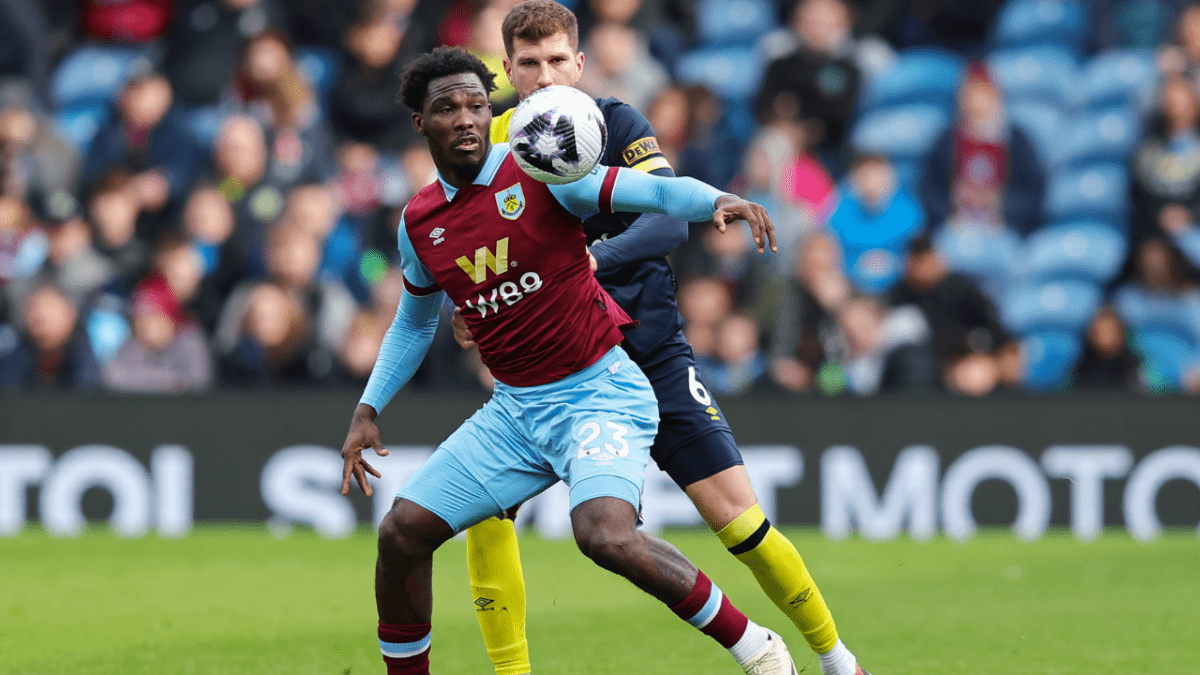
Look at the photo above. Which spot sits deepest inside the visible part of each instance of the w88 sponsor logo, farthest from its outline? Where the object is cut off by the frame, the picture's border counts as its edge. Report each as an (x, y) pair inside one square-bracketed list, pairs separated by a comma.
[(506, 294)]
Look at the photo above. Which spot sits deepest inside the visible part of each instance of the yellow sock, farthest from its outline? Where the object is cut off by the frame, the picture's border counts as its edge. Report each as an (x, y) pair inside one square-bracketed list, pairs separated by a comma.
[(498, 589), (781, 572)]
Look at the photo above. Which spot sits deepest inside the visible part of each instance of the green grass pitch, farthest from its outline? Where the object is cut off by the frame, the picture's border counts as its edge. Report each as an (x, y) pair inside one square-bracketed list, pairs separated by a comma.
[(239, 601)]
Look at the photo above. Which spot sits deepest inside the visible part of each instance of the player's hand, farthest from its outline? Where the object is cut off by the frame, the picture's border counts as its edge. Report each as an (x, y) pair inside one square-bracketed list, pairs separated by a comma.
[(363, 434), (731, 208), (462, 334), (592, 260)]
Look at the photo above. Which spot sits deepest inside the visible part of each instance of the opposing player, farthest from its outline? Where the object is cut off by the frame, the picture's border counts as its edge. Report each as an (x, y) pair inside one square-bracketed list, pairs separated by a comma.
[(694, 444), (568, 404)]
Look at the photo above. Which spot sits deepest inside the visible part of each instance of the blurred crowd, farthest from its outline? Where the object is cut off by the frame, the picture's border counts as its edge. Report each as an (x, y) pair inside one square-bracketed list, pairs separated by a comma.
[(969, 197)]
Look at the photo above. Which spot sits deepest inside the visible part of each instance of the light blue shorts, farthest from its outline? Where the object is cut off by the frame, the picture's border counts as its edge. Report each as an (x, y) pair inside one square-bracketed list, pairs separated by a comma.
[(592, 430)]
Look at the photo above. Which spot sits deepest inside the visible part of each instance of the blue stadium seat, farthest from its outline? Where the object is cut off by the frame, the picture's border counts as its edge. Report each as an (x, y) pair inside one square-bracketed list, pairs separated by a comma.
[(1059, 305), (733, 22), (903, 132), (1165, 355), (916, 76), (984, 254), (1092, 252), (1144, 310), (107, 329), (80, 122), (1021, 23), (1046, 74), (1050, 359), (1041, 121), (732, 73), (1108, 135), (92, 73), (1121, 77), (321, 65), (1188, 243), (1093, 192)]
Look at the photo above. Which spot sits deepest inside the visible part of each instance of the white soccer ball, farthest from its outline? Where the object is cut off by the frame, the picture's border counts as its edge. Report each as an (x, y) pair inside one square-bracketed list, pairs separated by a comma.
[(557, 134)]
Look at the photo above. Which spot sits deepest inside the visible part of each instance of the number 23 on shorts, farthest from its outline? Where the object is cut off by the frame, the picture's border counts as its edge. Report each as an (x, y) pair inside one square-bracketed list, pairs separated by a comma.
[(602, 440)]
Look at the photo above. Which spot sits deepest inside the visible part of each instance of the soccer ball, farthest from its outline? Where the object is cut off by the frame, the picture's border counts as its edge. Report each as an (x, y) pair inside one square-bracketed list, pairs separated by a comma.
[(557, 134)]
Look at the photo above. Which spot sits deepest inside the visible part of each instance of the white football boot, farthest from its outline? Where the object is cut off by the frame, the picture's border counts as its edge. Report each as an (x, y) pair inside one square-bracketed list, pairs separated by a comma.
[(774, 660)]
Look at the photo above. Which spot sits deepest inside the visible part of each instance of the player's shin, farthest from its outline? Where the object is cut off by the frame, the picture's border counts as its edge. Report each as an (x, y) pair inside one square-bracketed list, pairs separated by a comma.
[(707, 609), (780, 571), (498, 590)]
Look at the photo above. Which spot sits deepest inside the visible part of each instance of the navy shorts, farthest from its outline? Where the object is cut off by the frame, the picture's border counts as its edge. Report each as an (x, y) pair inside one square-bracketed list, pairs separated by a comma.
[(694, 441)]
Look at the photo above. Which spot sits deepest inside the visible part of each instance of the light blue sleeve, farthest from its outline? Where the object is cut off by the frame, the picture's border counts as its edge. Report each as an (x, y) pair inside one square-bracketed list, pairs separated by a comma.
[(404, 347), (640, 192), (415, 272)]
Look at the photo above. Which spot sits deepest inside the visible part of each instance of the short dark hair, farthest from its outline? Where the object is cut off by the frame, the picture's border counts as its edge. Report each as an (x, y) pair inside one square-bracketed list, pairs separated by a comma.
[(441, 62), (535, 20)]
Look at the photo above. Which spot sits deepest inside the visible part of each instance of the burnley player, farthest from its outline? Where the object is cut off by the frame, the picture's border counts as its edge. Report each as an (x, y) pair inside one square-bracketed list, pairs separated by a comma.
[(569, 405), (694, 444)]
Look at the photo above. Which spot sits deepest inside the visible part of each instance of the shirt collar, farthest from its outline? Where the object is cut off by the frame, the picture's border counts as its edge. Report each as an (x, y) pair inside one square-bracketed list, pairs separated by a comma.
[(486, 175)]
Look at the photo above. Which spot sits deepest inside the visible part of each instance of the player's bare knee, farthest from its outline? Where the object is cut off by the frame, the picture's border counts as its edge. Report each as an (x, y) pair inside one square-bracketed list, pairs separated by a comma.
[(608, 547), (409, 531)]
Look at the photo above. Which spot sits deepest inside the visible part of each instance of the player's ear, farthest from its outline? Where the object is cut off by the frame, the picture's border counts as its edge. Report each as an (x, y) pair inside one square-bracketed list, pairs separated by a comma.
[(418, 123), (508, 71), (579, 59)]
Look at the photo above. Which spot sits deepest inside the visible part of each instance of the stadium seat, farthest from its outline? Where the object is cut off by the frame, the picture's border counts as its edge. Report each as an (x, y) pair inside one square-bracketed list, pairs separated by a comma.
[(733, 73), (1041, 121), (1093, 192), (1060, 305), (1045, 74), (1050, 358), (1147, 311), (321, 65), (984, 254), (1108, 135), (1166, 355), (1121, 77), (80, 122), (107, 329), (916, 76), (733, 22), (1188, 243), (901, 132), (91, 74), (1091, 252), (1022, 23)]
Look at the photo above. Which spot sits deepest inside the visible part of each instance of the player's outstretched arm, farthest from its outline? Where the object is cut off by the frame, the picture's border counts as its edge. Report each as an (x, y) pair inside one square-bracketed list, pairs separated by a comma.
[(611, 189), (404, 347)]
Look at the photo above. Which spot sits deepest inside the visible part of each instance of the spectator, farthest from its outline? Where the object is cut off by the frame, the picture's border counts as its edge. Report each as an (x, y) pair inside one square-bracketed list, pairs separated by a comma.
[(273, 343), (874, 221), (731, 259), (669, 114), (358, 352), (148, 137), (1161, 295), (1107, 361), (293, 259), (113, 210), (983, 169), (739, 364), (881, 350), (365, 108), (207, 38), (811, 300), (133, 21), (52, 352), (323, 23), (713, 147), (620, 66), (36, 163), (73, 264), (949, 24), (23, 245), (963, 321), (667, 25), (818, 81), (269, 87), (167, 353), (240, 159), (487, 43), (1166, 167), (25, 45), (208, 222), (704, 303)]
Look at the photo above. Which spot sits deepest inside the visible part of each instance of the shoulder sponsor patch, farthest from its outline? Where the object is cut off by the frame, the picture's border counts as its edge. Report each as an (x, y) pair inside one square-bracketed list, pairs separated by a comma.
[(639, 150), (511, 202)]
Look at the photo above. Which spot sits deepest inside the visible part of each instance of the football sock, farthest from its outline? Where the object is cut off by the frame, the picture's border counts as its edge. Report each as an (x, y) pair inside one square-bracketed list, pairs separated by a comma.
[(405, 648), (498, 589), (707, 609), (781, 572), (838, 661)]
